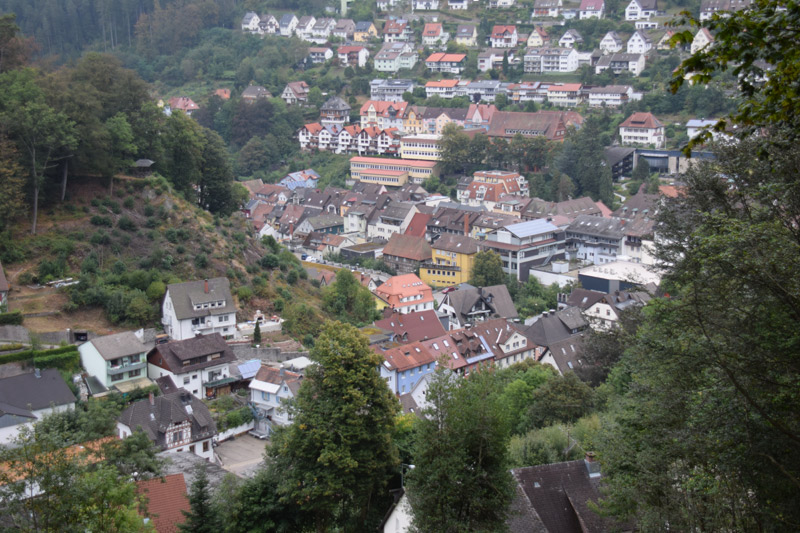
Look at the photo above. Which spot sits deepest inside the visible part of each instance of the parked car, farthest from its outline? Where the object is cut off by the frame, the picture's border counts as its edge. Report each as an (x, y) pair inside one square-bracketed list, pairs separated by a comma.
[(304, 257)]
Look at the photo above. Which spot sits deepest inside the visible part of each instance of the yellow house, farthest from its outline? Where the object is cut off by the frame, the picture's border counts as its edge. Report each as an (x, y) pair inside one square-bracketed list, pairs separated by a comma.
[(364, 32), (451, 261), (412, 121), (421, 146), (538, 38)]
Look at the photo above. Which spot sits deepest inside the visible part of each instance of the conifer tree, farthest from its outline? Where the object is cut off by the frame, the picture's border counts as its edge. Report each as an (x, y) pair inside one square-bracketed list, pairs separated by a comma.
[(202, 518)]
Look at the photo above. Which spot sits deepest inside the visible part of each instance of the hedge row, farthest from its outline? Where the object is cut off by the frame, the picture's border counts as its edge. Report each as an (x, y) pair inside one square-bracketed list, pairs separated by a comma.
[(13, 318), (10, 347), (59, 360), (29, 354)]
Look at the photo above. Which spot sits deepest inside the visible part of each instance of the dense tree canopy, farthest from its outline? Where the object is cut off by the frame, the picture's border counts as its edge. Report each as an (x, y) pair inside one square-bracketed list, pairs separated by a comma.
[(337, 456)]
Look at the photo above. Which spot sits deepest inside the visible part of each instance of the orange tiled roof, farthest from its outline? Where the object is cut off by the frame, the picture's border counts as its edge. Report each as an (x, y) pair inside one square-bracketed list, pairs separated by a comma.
[(166, 499)]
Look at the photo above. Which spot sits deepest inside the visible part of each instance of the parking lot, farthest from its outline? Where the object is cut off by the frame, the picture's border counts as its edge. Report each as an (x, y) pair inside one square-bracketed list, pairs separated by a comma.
[(241, 455)]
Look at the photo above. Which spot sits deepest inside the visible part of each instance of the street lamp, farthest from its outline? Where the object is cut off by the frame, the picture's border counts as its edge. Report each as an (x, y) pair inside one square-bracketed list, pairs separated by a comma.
[(402, 470)]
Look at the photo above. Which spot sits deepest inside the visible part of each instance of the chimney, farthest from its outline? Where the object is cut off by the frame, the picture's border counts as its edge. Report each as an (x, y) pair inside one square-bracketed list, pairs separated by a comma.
[(589, 457), (152, 399), (205, 289), (283, 371)]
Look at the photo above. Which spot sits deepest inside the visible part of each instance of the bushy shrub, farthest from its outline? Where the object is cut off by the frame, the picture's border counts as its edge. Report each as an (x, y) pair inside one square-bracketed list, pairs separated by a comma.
[(12, 318), (128, 203), (126, 224), (244, 294), (156, 290), (201, 260), (98, 220)]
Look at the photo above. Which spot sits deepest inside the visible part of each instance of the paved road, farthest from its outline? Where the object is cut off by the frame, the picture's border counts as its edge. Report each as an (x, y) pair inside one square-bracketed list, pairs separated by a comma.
[(242, 455)]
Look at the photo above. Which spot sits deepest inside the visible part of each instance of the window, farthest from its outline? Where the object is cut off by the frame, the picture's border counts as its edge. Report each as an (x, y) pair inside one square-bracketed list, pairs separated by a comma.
[(117, 377), (205, 446), (134, 373), (186, 380)]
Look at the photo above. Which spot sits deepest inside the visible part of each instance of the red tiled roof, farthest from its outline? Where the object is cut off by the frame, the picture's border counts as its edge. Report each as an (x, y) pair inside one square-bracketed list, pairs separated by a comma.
[(225, 94), (166, 498), (499, 31), (403, 286), (441, 57), (413, 327), (432, 29), (418, 225), (641, 120)]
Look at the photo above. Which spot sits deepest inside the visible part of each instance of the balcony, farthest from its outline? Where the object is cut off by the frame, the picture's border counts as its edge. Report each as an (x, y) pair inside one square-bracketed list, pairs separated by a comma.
[(119, 369), (434, 266)]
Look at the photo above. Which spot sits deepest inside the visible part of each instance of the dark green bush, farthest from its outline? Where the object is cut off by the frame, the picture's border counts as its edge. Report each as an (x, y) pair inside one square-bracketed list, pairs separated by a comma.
[(126, 224), (12, 318), (98, 220)]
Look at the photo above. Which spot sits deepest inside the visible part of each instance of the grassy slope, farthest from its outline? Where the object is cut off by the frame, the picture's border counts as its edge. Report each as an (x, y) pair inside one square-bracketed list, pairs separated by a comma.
[(227, 243)]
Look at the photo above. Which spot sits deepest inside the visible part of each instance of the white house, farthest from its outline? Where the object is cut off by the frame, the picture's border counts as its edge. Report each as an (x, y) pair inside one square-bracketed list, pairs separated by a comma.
[(395, 56), (250, 22), (611, 43), (539, 60), (633, 63), (199, 308), (304, 26), (115, 359), (433, 34), (610, 95), (424, 5), (702, 39), (501, 4), (270, 389), (198, 364), (26, 398), (570, 39), (174, 422), (352, 56), (641, 10), (288, 25), (591, 9), (695, 127), (639, 43), (504, 36), (546, 8), (642, 129)]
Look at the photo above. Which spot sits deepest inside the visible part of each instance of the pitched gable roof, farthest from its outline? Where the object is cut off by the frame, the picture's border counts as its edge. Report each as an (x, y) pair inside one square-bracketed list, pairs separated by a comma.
[(156, 418), (495, 297), (642, 120), (118, 345), (186, 295), (408, 247), (176, 355), (166, 500), (413, 327), (28, 392)]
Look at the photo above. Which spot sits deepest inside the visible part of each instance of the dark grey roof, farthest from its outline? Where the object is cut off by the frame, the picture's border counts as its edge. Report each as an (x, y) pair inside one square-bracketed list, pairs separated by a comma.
[(583, 298), (465, 30), (551, 328), (118, 345), (335, 103), (592, 226), (615, 154), (363, 25), (567, 353), (325, 221), (186, 295), (28, 392), (155, 418), (559, 495), (496, 298), (287, 19), (256, 91), (176, 353)]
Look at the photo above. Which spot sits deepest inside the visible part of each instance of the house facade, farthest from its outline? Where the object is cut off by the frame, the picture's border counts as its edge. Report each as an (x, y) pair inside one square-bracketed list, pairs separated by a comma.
[(115, 359), (641, 10), (175, 422), (199, 365), (591, 9), (451, 261), (642, 129), (198, 308), (504, 36), (525, 245), (405, 293), (270, 389)]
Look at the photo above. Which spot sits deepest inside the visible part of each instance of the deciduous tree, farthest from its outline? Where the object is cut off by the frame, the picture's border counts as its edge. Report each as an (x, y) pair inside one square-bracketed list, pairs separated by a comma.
[(487, 269)]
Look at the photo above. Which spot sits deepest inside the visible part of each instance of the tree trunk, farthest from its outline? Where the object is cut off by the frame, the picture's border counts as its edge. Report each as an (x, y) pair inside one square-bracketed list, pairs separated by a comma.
[(35, 207), (64, 181)]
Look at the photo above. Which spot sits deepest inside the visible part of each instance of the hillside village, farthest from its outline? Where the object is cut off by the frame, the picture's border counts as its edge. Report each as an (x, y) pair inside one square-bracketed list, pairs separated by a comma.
[(469, 188)]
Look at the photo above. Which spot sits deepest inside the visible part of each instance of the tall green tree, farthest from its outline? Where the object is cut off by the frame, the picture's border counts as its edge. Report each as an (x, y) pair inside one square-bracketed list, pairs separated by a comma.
[(461, 480), (348, 300), (337, 456), (43, 135), (582, 158), (704, 432), (12, 183), (215, 191), (202, 516), (487, 270), (752, 45)]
